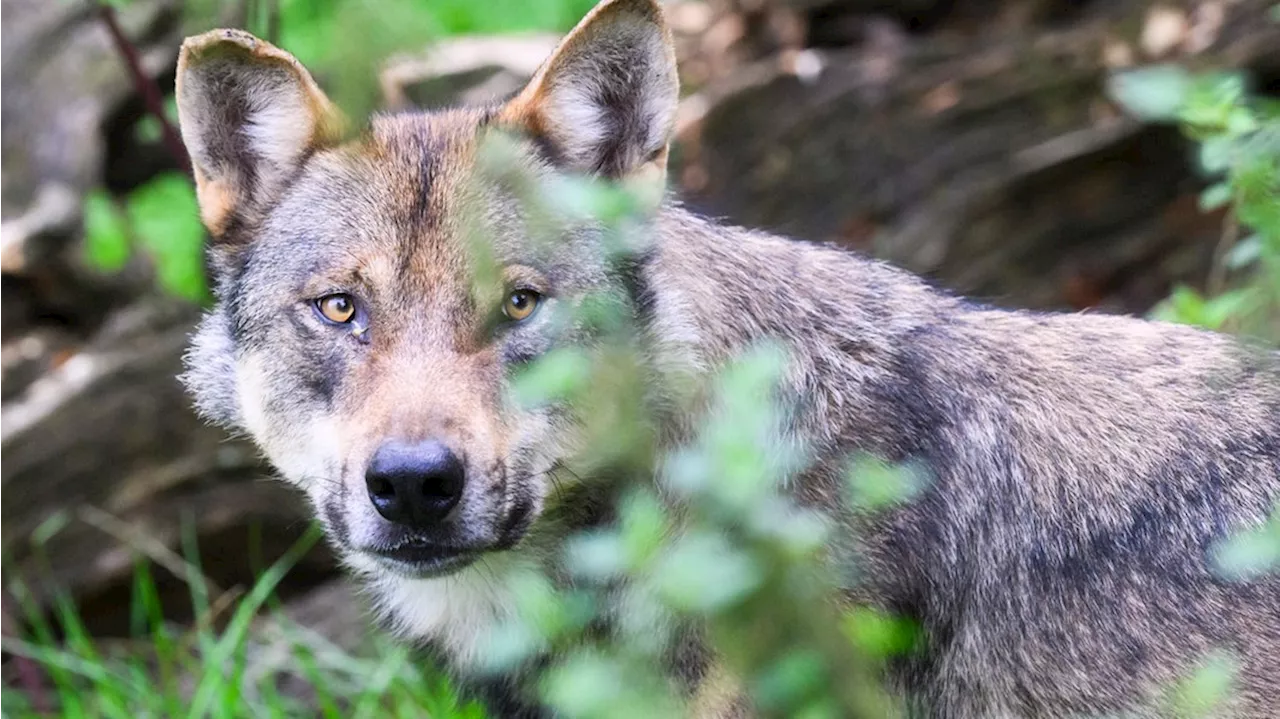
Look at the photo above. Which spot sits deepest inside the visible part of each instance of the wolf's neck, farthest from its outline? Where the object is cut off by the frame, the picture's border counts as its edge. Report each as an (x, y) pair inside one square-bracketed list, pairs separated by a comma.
[(716, 290), (845, 321)]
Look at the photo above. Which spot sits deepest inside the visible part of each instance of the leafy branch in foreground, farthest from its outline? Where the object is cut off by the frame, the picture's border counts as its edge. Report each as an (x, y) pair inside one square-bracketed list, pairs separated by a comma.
[(1237, 133), (704, 539)]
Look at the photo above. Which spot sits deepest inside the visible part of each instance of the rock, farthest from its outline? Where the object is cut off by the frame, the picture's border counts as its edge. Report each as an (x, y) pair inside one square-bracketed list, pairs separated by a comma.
[(995, 165)]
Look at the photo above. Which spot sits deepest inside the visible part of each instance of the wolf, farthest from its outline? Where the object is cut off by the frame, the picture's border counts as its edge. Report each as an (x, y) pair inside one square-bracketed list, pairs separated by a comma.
[(1083, 466)]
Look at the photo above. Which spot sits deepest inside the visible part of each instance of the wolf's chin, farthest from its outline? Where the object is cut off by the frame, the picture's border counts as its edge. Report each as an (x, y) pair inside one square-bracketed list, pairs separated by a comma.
[(426, 567)]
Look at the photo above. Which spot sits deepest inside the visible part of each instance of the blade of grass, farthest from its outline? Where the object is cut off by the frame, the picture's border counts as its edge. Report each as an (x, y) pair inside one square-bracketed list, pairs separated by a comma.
[(154, 629), (110, 696), (63, 684), (27, 675), (212, 677), (310, 669)]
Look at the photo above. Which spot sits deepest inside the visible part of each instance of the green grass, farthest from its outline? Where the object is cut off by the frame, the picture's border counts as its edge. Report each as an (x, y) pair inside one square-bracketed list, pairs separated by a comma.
[(241, 657)]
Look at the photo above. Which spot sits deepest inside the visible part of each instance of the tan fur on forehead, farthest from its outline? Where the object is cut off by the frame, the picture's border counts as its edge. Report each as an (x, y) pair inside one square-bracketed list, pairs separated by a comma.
[(419, 163)]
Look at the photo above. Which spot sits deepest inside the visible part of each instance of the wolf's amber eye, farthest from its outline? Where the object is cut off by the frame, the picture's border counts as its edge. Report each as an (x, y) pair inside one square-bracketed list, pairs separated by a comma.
[(339, 308), (520, 304)]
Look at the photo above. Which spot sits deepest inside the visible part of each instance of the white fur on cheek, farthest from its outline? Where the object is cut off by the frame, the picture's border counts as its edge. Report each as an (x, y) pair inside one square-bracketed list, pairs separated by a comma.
[(251, 387), (302, 449)]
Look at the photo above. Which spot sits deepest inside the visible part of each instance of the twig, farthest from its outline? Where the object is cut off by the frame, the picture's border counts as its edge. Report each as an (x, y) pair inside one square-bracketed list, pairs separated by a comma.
[(29, 675), (1218, 272), (151, 547), (145, 85)]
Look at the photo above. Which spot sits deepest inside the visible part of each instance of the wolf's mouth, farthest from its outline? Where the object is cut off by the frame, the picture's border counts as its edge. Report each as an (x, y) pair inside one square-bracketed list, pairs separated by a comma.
[(424, 560)]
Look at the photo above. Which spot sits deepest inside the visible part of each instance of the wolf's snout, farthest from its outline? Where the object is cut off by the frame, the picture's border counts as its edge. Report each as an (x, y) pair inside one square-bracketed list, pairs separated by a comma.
[(415, 485)]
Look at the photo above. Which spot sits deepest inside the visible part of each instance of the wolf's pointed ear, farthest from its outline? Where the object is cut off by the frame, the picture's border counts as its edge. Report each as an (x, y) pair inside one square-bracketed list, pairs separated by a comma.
[(605, 101), (250, 114)]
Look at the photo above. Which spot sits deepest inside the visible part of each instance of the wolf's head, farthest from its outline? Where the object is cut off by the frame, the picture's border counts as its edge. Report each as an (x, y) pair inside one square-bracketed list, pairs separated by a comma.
[(349, 339)]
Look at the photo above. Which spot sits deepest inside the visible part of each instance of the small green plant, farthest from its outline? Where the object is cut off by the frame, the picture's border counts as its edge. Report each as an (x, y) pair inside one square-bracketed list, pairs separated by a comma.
[(161, 220), (1237, 135)]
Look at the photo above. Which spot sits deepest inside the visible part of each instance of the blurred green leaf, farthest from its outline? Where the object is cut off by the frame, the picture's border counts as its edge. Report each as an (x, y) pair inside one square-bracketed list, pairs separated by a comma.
[(1215, 105), (148, 129), (1151, 93), (1250, 554), (508, 645), (1245, 253), (1186, 306), (792, 678), (1200, 695), (1241, 121), (596, 555), (876, 485), (1215, 154), (881, 634), (166, 221), (704, 573), (585, 685), (1216, 196), (553, 377), (644, 527), (106, 233), (47, 529)]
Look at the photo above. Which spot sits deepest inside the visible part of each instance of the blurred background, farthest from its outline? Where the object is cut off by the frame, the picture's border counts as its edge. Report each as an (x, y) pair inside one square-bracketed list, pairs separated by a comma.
[(978, 142)]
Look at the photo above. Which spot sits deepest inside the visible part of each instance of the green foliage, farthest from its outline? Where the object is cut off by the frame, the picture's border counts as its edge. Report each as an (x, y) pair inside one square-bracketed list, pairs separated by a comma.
[(1238, 137), (221, 666), (1152, 93), (715, 542), (148, 129), (1188, 306), (1251, 554), (106, 234), (160, 218), (166, 224), (1201, 693)]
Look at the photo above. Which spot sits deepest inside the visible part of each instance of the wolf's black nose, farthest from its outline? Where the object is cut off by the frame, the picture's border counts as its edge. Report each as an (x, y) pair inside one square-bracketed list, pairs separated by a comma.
[(414, 484)]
